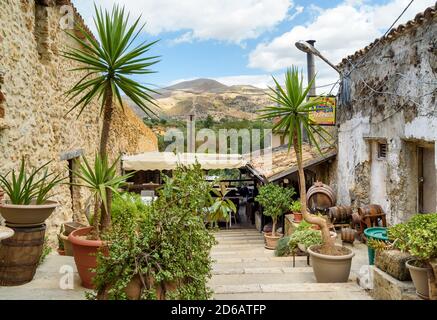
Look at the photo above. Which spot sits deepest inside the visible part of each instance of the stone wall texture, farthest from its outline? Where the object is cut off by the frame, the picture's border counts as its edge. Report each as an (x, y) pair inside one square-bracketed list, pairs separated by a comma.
[(33, 116), (393, 100)]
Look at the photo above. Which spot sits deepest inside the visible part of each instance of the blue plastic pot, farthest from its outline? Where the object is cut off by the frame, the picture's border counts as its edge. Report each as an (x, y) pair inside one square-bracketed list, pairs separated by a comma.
[(377, 233)]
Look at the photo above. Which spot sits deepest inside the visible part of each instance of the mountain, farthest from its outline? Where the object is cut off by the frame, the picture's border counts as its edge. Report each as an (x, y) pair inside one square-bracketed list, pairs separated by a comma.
[(204, 97)]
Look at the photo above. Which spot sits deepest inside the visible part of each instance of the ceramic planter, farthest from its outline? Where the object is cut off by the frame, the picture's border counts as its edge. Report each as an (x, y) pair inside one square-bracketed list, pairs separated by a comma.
[(330, 269), (84, 252), (297, 216), (68, 247), (31, 215), (420, 279), (271, 241)]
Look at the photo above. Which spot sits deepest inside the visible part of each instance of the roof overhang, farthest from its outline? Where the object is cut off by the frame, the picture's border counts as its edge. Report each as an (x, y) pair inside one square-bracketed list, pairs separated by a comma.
[(170, 161)]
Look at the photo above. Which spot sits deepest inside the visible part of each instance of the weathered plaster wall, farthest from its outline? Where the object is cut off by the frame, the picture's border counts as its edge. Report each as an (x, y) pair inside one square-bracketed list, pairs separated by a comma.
[(33, 120), (394, 98)]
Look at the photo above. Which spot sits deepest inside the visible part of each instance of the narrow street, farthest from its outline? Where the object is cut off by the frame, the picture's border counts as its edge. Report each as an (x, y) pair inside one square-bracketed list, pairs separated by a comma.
[(244, 269)]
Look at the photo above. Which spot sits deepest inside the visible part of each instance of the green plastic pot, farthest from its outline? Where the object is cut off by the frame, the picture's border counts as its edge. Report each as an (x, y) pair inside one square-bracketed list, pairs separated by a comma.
[(376, 233)]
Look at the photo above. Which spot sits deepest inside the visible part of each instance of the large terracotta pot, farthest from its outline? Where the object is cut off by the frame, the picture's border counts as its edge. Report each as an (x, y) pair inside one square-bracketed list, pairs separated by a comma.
[(271, 241), (84, 252), (329, 269), (31, 215), (420, 279)]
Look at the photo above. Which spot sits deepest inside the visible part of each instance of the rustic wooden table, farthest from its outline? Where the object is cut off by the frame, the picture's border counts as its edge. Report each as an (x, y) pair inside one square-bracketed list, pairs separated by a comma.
[(5, 232)]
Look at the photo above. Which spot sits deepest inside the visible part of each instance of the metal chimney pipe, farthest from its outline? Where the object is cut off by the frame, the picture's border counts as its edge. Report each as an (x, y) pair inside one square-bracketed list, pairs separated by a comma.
[(311, 69)]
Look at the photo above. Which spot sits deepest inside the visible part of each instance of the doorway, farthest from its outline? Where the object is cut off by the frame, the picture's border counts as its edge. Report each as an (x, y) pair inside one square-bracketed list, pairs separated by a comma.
[(427, 180)]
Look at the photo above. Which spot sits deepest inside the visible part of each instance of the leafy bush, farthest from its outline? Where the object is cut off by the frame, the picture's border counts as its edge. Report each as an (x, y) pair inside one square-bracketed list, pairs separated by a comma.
[(306, 237), (127, 206), (283, 247), (296, 206), (275, 200), (168, 244), (418, 236)]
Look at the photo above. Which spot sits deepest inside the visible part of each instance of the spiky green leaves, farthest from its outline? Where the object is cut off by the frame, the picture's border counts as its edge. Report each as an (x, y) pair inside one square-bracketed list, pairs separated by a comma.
[(23, 188), (292, 110), (109, 62), (100, 177)]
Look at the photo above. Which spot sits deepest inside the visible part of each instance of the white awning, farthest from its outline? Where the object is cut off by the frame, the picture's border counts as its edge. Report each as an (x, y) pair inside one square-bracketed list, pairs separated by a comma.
[(169, 161)]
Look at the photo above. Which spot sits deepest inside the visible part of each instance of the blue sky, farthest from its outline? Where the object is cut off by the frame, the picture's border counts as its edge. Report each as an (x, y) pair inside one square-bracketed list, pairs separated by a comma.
[(247, 41)]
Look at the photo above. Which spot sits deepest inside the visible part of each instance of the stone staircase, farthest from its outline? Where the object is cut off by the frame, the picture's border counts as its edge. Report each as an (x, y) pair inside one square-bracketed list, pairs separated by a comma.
[(244, 269)]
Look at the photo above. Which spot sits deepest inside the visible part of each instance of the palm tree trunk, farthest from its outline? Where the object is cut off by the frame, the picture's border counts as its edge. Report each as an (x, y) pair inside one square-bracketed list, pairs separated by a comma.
[(328, 242), (105, 217), (107, 118)]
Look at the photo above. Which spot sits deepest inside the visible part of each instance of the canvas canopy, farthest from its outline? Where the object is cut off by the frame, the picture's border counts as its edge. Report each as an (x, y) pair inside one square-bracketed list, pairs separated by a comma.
[(169, 161)]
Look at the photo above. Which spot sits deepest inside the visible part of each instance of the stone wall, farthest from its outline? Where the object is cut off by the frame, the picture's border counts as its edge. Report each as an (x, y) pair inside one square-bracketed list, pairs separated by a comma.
[(33, 108), (393, 100)]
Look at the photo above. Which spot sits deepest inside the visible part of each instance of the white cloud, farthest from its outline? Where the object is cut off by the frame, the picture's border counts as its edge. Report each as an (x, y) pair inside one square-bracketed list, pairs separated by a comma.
[(339, 32), (260, 81), (224, 20)]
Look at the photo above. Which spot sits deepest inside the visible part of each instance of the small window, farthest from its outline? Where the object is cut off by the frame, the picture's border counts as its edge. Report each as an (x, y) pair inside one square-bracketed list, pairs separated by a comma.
[(382, 150)]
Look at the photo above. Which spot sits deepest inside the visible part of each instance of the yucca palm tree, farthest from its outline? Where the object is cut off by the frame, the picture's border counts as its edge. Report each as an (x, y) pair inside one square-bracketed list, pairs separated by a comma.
[(292, 114), (102, 180), (108, 63)]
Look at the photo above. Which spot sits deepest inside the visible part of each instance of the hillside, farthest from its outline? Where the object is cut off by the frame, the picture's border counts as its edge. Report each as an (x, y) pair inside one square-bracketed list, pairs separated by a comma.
[(204, 97)]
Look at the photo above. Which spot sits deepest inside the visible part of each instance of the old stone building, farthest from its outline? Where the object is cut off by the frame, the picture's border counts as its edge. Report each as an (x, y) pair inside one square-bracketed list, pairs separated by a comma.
[(387, 130), (33, 108)]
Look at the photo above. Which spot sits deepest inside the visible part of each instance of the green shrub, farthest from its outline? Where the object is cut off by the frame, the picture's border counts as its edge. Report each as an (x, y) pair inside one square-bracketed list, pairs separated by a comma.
[(307, 237), (127, 206), (275, 200), (296, 206), (283, 247), (418, 236), (168, 243)]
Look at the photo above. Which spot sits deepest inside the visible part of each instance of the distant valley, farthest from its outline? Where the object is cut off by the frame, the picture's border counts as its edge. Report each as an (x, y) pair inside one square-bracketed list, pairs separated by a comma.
[(203, 97)]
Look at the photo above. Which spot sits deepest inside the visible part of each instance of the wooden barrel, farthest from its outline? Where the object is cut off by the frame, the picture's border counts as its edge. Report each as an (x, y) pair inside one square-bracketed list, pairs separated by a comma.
[(320, 197), (20, 254), (370, 210), (348, 235), (340, 214)]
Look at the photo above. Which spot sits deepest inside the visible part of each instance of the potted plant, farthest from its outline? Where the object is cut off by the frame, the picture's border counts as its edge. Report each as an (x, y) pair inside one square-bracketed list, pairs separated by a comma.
[(113, 69), (295, 208), (162, 250), (102, 180), (222, 207), (418, 237), (28, 201), (331, 263), (275, 200), (305, 236)]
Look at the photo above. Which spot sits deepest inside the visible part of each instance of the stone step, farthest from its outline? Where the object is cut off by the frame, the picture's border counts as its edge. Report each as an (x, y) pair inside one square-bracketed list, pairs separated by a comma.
[(255, 248), (240, 236), (224, 267), (262, 260), (252, 242), (242, 232), (340, 295), (301, 287), (269, 277), (260, 269)]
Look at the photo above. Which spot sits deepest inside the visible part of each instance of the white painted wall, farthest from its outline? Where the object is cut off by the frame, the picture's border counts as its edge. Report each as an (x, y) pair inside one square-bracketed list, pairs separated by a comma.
[(378, 179)]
